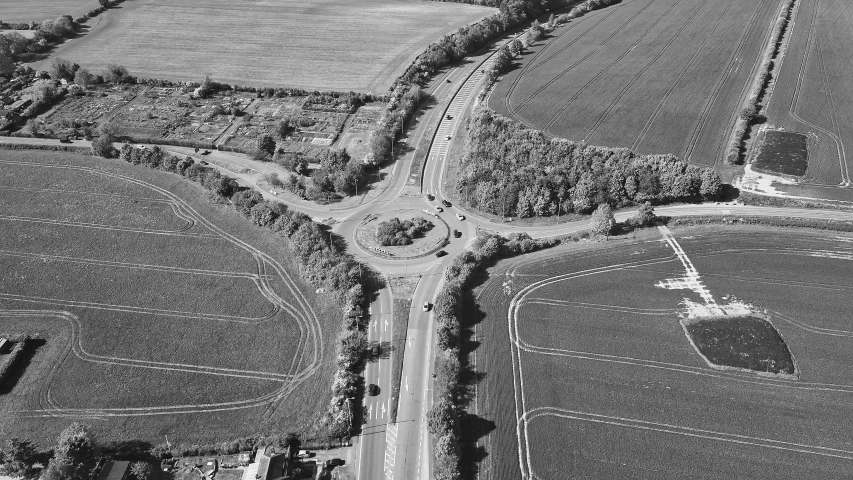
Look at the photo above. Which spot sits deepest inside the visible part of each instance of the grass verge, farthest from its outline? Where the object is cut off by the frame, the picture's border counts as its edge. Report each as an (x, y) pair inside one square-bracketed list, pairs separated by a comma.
[(748, 342), (398, 346), (833, 225)]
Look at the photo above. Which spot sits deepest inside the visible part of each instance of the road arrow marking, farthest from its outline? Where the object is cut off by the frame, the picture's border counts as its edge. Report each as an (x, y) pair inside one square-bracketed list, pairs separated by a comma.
[(383, 409), (407, 383), (386, 325), (370, 412)]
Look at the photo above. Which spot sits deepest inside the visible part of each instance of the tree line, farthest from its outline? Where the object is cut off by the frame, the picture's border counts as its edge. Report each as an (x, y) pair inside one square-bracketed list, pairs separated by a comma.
[(445, 418), (512, 171)]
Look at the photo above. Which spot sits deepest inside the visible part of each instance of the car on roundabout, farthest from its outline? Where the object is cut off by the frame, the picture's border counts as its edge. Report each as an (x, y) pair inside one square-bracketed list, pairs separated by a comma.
[(439, 209), (440, 253), (460, 216)]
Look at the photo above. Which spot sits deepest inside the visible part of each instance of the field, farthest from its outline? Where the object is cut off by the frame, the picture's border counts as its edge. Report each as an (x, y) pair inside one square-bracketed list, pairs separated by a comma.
[(324, 45), (657, 76), (39, 10), (813, 89), (162, 313), (607, 385), (783, 152)]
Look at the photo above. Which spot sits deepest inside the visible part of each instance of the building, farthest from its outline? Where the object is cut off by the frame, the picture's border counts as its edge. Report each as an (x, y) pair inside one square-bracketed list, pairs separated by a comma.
[(115, 470), (274, 466)]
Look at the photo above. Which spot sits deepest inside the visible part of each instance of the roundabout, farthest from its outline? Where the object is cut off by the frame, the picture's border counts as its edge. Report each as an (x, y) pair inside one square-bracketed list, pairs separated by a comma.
[(427, 243)]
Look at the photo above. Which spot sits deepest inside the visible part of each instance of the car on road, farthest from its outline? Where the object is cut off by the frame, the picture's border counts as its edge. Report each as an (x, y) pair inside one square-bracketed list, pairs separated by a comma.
[(373, 389), (440, 253), (142, 147), (430, 197), (457, 233), (439, 209), (427, 306), (448, 80), (460, 216), (449, 116), (447, 137), (203, 162), (446, 203), (376, 350), (335, 462), (64, 139)]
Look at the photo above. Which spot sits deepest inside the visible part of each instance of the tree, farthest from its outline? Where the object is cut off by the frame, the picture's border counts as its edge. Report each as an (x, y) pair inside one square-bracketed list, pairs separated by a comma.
[(17, 457), (380, 145), (74, 455), (441, 419), (115, 73), (103, 146), (503, 60), (105, 3), (711, 186), (645, 215), (141, 470), (62, 69), (7, 65), (284, 128), (265, 148), (83, 78), (603, 220)]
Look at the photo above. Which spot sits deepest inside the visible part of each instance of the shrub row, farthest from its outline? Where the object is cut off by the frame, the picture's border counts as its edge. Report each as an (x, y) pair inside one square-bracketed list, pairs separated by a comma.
[(56, 148), (17, 353), (513, 171), (443, 420), (749, 198), (759, 85), (320, 263), (820, 224)]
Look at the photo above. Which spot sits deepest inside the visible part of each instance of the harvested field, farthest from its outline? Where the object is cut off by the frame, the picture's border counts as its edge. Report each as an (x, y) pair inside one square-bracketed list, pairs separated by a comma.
[(813, 89), (39, 10), (173, 314), (783, 152), (606, 384), (325, 45), (657, 76)]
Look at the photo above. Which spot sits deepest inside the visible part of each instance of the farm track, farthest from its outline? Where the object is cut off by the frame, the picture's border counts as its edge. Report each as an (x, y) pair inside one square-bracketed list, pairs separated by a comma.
[(306, 319), (618, 59), (643, 70)]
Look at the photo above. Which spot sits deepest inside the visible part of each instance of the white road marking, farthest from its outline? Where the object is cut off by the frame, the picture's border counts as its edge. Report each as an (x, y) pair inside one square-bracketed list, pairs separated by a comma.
[(407, 383)]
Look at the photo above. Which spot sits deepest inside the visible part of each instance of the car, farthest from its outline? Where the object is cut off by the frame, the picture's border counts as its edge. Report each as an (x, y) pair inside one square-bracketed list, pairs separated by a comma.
[(335, 462), (447, 137), (440, 253), (427, 306), (449, 116), (460, 216), (430, 197), (446, 203), (448, 80), (64, 140), (206, 152), (439, 209), (376, 350), (373, 389), (457, 233), (203, 162), (141, 147)]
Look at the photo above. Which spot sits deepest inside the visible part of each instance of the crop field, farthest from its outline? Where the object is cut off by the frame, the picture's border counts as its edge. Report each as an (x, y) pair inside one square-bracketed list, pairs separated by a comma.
[(657, 76), (813, 89), (39, 10), (324, 45), (589, 373), (161, 313)]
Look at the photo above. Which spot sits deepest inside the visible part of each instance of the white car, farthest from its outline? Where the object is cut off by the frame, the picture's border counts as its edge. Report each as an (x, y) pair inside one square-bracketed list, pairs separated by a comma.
[(141, 147), (447, 137), (427, 306), (460, 216), (439, 209)]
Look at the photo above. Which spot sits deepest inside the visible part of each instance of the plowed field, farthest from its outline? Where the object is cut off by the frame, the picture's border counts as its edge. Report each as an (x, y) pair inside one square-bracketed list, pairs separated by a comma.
[(657, 76), (323, 44), (162, 313), (595, 378), (814, 91)]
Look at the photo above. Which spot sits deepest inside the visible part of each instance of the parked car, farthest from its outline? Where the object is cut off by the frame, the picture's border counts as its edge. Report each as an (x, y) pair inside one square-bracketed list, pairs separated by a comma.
[(373, 389), (446, 203), (427, 306), (440, 253), (460, 216)]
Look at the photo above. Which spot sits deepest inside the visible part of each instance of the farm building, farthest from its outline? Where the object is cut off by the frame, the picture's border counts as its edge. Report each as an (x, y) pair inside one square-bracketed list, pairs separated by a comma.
[(115, 470), (274, 466)]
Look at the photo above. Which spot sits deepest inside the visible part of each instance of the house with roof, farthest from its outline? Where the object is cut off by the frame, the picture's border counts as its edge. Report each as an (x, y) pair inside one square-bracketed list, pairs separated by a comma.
[(274, 466)]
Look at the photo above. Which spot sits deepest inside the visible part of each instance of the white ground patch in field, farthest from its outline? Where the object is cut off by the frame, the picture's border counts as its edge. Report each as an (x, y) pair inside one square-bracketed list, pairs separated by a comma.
[(762, 183)]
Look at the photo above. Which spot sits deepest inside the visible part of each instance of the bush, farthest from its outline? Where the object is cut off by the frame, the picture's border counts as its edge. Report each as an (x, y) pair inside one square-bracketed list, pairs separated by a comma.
[(603, 220), (103, 146), (396, 232)]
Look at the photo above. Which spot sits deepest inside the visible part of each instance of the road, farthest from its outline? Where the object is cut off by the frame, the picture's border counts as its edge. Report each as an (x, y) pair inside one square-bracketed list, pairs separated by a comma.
[(402, 451)]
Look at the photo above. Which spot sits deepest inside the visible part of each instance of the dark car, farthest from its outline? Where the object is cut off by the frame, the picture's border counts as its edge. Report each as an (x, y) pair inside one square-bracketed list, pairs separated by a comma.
[(430, 197), (376, 350), (449, 116), (440, 253), (457, 233), (373, 389), (446, 203), (335, 462)]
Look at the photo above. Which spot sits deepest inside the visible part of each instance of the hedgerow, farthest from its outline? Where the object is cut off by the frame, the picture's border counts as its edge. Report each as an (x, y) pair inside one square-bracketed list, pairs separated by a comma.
[(512, 171), (750, 109), (443, 420), (320, 263)]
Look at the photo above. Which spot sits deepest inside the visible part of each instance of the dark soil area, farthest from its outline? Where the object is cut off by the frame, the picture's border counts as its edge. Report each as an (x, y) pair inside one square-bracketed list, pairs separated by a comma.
[(744, 342), (783, 152)]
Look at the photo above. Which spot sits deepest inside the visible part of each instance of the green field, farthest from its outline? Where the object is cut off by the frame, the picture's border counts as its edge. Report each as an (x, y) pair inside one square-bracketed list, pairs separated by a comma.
[(324, 45), (162, 313), (657, 76), (39, 10)]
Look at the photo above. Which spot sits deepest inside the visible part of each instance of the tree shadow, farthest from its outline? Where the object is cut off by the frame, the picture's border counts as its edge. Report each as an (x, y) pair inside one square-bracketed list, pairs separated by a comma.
[(20, 367), (132, 450)]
